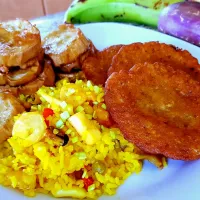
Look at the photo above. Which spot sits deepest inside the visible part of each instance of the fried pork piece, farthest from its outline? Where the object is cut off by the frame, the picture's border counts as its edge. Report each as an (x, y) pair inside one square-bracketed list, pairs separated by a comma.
[(9, 107), (65, 45), (152, 52), (157, 108), (19, 42), (96, 67)]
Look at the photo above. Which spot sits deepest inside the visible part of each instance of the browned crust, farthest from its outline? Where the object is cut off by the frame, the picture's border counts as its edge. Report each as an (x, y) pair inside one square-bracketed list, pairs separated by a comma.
[(152, 52), (157, 108), (96, 67), (20, 42)]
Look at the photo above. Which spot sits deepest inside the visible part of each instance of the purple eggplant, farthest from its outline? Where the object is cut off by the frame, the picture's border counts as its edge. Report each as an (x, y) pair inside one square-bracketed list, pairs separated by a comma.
[(182, 20)]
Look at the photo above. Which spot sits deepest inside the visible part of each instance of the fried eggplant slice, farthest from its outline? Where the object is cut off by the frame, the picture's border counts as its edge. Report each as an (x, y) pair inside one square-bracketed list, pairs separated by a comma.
[(96, 67), (152, 52), (157, 108), (19, 42), (65, 45)]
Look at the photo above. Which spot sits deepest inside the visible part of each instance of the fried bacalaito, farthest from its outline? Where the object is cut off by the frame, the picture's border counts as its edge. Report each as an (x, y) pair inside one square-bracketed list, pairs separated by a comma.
[(96, 67), (152, 52), (157, 108)]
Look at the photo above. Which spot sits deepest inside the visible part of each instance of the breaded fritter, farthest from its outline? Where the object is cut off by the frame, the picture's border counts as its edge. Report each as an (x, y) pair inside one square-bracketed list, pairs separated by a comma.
[(96, 67), (152, 52), (157, 108)]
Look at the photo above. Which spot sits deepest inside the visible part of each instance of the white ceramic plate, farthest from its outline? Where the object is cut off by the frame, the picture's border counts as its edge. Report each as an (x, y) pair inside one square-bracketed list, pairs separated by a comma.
[(180, 180)]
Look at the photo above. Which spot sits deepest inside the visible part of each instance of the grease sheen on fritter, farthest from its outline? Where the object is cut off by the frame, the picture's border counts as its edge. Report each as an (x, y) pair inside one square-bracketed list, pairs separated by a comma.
[(152, 52), (158, 109), (96, 67)]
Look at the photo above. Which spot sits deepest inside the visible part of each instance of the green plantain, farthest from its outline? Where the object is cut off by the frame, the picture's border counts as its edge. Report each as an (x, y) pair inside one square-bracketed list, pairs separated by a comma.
[(133, 11)]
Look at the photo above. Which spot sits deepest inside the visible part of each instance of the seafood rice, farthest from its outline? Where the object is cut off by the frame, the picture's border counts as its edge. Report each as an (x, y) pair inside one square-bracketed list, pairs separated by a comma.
[(52, 151)]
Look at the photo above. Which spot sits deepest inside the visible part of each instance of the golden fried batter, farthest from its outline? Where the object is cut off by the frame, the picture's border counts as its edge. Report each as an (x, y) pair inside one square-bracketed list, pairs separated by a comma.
[(157, 108), (152, 52), (96, 67)]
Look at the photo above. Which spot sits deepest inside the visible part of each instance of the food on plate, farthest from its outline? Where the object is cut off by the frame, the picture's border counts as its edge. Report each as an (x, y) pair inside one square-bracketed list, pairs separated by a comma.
[(96, 67), (67, 47), (58, 137), (157, 108), (186, 27), (20, 42), (152, 52), (21, 58), (67, 146), (9, 107), (137, 11), (47, 78)]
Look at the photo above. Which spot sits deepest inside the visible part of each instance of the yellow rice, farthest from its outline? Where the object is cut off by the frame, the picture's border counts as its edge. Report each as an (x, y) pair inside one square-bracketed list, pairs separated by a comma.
[(48, 167)]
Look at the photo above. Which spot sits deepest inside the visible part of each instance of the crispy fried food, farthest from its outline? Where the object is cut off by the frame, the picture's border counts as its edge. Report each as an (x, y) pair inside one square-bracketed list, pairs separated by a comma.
[(157, 108), (152, 52), (9, 107), (96, 67), (65, 45), (46, 78), (23, 76), (19, 42)]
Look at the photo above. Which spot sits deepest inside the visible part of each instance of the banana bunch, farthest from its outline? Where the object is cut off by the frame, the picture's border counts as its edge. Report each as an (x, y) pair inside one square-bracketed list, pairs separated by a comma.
[(133, 11)]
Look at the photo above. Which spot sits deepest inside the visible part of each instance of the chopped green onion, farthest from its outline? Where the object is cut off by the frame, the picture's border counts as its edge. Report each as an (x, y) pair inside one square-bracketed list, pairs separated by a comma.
[(89, 84), (59, 124), (74, 140), (70, 109), (70, 92), (79, 109), (104, 106), (91, 187), (39, 107), (79, 81), (95, 103), (62, 126), (81, 155), (63, 104), (96, 89), (112, 135), (68, 131), (64, 116), (102, 128), (84, 174)]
